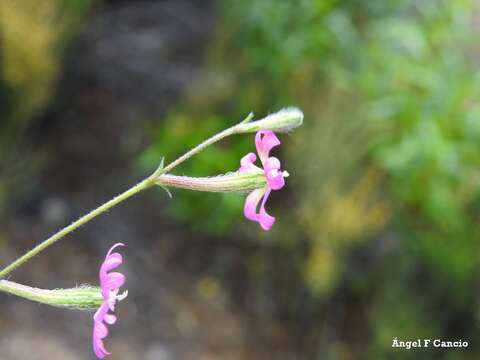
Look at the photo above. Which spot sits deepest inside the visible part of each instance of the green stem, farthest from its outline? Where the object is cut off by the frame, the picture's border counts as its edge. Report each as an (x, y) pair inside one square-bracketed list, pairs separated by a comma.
[(84, 219), (221, 135), (148, 182)]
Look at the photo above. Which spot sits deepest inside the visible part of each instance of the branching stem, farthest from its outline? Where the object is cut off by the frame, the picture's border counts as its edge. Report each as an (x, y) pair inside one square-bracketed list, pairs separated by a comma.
[(148, 182)]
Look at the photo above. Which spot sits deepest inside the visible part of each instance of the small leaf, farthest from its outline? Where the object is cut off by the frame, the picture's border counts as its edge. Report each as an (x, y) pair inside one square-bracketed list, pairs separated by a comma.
[(167, 190), (248, 118)]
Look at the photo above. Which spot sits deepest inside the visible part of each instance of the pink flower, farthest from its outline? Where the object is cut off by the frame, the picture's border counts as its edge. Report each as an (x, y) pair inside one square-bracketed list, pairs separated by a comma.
[(265, 140), (110, 283)]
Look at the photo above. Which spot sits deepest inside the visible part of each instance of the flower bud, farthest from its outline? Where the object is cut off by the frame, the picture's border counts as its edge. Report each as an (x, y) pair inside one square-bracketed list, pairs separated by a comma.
[(80, 298), (234, 182), (282, 121)]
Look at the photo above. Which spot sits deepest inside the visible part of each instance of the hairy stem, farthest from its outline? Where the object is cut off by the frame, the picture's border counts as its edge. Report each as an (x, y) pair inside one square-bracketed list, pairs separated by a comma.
[(75, 225), (235, 182), (200, 147), (81, 298), (148, 182)]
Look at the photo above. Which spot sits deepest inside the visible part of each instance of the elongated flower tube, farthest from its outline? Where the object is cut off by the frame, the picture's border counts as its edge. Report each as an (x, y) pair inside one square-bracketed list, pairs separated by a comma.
[(233, 182), (110, 283), (80, 298), (265, 141)]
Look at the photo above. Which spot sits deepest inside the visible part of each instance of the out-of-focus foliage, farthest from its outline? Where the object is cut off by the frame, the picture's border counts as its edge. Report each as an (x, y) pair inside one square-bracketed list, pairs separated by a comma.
[(335, 226), (33, 35), (386, 163)]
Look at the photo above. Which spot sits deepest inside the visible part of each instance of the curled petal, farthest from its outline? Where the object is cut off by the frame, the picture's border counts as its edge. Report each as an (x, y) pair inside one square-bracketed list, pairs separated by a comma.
[(113, 248), (110, 319), (99, 348), (274, 177), (111, 262), (271, 164), (100, 331), (110, 282), (101, 312), (247, 163), (266, 221), (251, 204), (265, 140), (114, 280)]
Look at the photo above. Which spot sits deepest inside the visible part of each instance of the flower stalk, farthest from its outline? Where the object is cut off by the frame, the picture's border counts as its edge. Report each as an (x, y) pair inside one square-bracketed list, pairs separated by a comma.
[(281, 121), (75, 225), (80, 298)]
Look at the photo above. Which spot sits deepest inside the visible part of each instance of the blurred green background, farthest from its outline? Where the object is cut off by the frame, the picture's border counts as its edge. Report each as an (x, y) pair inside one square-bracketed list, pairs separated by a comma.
[(377, 231)]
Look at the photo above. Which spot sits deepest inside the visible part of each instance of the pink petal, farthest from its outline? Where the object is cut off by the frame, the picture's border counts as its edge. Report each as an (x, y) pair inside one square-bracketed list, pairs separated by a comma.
[(109, 284), (99, 348), (247, 163), (100, 331), (112, 281), (275, 179), (110, 319), (272, 163), (251, 204), (111, 262), (274, 176), (265, 140), (266, 221), (101, 312)]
